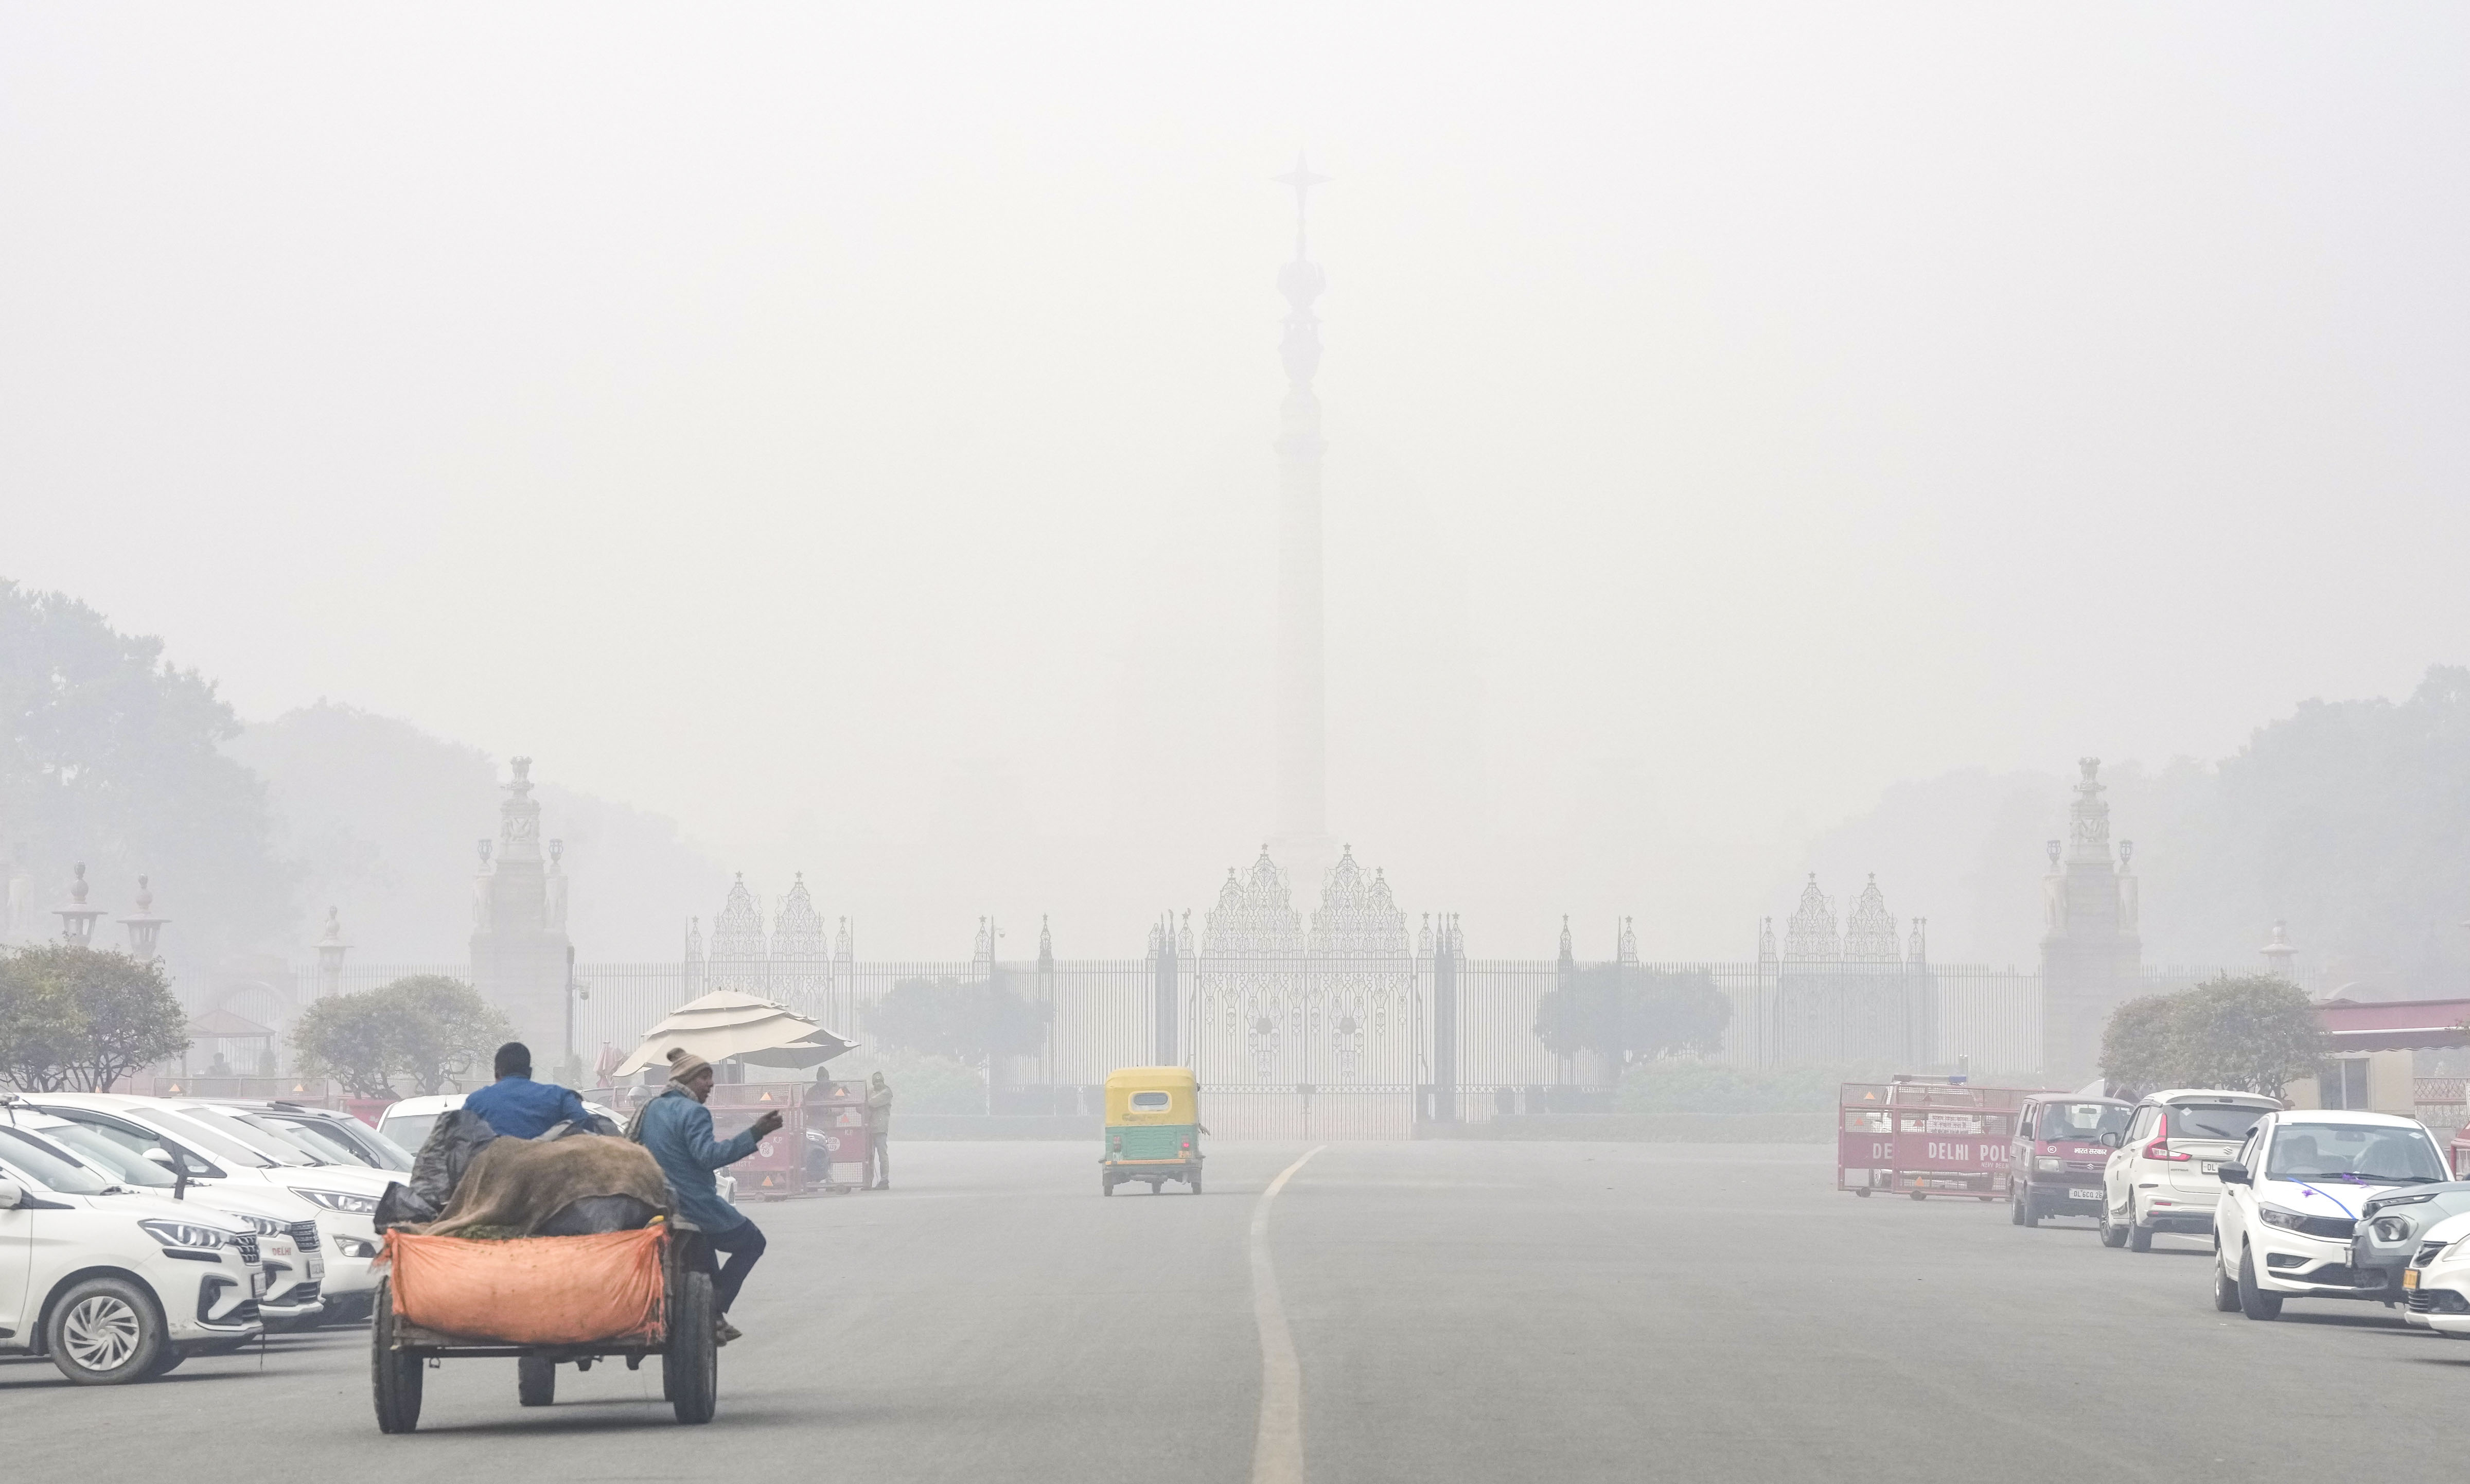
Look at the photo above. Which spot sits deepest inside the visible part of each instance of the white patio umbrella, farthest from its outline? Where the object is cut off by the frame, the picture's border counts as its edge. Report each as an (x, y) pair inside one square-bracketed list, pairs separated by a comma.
[(725, 1024)]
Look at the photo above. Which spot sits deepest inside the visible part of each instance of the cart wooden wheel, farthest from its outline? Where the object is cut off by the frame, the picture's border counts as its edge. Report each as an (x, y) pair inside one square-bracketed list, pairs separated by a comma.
[(394, 1375), (535, 1381), (691, 1364)]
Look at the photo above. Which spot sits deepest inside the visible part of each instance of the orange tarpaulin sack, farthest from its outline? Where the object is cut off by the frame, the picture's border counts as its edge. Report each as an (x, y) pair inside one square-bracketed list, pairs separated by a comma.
[(530, 1290)]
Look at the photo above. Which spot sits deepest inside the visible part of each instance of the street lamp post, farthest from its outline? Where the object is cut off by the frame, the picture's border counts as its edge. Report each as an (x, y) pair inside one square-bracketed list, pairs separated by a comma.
[(142, 927), (76, 919)]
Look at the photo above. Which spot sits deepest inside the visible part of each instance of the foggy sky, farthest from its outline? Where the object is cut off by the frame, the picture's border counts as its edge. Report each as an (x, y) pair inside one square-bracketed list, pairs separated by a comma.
[(846, 431)]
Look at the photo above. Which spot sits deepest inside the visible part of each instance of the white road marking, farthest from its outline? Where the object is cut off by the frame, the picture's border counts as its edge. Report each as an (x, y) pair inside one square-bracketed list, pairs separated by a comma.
[(1278, 1445)]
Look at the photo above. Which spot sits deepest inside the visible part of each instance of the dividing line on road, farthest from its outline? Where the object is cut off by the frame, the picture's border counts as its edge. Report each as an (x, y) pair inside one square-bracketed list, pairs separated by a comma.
[(1278, 1445)]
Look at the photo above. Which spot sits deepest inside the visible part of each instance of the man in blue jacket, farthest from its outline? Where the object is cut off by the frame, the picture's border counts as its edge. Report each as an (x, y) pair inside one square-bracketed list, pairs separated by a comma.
[(518, 1107), (676, 1127)]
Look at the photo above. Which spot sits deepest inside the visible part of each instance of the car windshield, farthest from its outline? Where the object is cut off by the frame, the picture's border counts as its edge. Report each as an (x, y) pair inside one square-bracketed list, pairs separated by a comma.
[(2346, 1152), (275, 1149), (131, 1166), (2222, 1122), (331, 1147), (412, 1130), (198, 1130), (47, 1166), (2085, 1123)]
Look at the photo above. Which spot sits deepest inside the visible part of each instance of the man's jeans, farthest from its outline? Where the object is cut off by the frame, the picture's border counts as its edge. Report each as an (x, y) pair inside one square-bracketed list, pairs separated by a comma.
[(744, 1243)]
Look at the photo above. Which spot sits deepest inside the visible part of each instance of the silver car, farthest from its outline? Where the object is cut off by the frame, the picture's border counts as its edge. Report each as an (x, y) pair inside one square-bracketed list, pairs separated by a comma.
[(2392, 1227)]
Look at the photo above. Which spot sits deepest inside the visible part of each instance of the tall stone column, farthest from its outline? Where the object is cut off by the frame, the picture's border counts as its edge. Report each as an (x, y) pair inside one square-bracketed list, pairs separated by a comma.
[(519, 942), (2092, 959), (1302, 804)]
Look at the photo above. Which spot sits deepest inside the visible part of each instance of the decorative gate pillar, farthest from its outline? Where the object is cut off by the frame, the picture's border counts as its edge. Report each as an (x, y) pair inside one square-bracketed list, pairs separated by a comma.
[(2091, 957), (519, 952)]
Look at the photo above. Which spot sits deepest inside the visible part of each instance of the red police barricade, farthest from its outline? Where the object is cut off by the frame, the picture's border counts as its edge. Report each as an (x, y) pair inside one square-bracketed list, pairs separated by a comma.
[(1925, 1136), (836, 1149), (778, 1168)]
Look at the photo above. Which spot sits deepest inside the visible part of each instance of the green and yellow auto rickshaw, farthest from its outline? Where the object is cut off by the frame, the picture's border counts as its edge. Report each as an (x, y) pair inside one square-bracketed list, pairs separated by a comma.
[(1152, 1127)]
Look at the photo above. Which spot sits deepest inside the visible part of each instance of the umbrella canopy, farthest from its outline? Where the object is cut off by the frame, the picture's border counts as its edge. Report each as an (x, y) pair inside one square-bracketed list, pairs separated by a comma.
[(725, 1024)]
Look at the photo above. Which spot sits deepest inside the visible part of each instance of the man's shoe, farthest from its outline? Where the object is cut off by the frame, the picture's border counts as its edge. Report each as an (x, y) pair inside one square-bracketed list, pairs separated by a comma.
[(723, 1332)]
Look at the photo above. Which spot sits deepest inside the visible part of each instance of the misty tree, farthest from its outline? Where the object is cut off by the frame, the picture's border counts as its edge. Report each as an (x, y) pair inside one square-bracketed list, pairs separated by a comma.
[(971, 1023), (425, 1028), (1632, 1015), (83, 1018), (112, 756), (2248, 1033)]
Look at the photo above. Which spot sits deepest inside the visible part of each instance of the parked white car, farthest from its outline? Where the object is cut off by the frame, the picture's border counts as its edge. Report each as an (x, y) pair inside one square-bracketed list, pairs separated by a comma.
[(217, 1147), (287, 1244), (409, 1122), (2163, 1172), (2438, 1280), (111, 1284), (2292, 1198)]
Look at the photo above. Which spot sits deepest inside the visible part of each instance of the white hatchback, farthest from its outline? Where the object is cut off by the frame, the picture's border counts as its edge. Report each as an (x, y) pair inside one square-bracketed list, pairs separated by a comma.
[(2438, 1280), (2291, 1202), (111, 1284), (2162, 1173)]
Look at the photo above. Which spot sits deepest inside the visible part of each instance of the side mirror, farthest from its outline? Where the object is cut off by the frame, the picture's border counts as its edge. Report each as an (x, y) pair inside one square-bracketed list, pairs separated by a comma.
[(2112, 1139), (2235, 1174), (10, 1194), (179, 1171)]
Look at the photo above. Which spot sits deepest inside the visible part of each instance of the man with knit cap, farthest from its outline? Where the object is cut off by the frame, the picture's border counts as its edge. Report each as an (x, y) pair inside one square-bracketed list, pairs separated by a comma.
[(676, 1129)]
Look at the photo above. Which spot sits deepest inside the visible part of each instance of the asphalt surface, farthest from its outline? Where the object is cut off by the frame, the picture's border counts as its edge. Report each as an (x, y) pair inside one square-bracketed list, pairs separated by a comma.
[(1460, 1312)]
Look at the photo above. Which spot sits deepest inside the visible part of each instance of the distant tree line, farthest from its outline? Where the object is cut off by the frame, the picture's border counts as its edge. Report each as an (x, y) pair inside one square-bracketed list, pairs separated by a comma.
[(1633, 1014), (422, 1030)]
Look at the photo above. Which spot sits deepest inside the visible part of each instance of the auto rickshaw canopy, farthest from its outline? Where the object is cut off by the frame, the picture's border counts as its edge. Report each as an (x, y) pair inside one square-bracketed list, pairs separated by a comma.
[(1133, 1095)]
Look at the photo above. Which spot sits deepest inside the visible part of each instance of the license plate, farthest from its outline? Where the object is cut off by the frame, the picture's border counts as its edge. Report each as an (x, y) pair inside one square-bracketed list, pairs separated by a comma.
[(2409, 1277), (257, 1284), (2209, 1167), (2075, 1194), (317, 1268)]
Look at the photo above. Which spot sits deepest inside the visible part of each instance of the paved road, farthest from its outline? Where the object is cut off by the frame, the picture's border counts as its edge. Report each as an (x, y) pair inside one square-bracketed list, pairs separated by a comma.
[(1461, 1312)]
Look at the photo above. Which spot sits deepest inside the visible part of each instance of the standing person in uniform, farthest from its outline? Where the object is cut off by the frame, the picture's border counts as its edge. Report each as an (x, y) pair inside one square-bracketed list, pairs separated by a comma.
[(878, 1131), (676, 1127)]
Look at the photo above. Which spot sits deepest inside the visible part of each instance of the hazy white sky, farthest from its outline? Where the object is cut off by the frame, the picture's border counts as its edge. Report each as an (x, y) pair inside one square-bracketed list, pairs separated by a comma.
[(846, 429)]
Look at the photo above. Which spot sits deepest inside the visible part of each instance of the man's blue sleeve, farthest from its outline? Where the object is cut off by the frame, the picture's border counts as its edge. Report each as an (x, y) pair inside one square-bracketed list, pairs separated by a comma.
[(570, 1108), (710, 1153)]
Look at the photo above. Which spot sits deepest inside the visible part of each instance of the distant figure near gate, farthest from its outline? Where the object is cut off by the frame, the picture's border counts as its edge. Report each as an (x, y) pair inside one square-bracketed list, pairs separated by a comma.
[(878, 1132)]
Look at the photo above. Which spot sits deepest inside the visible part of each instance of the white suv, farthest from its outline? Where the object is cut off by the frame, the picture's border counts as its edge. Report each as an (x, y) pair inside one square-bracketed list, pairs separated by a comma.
[(222, 1149), (113, 1285), (2291, 1204), (2162, 1174), (288, 1245)]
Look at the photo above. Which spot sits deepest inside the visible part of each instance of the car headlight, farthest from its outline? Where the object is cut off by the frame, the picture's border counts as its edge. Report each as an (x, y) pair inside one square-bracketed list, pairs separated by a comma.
[(2046, 1162), (339, 1201), (183, 1234), (2287, 1221), (264, 1226)]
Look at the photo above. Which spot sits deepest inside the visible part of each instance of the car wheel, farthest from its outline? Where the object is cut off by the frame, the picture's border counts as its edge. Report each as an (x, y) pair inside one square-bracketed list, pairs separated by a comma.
[(2110, 1236), (104, 1332), (2015, 1210), (2225, 1289), (2139, 1236), (2254, 1302)]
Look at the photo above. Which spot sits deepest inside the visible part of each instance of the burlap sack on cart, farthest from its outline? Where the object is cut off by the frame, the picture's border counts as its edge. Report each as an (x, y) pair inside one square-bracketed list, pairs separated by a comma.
[(530, 1290)]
